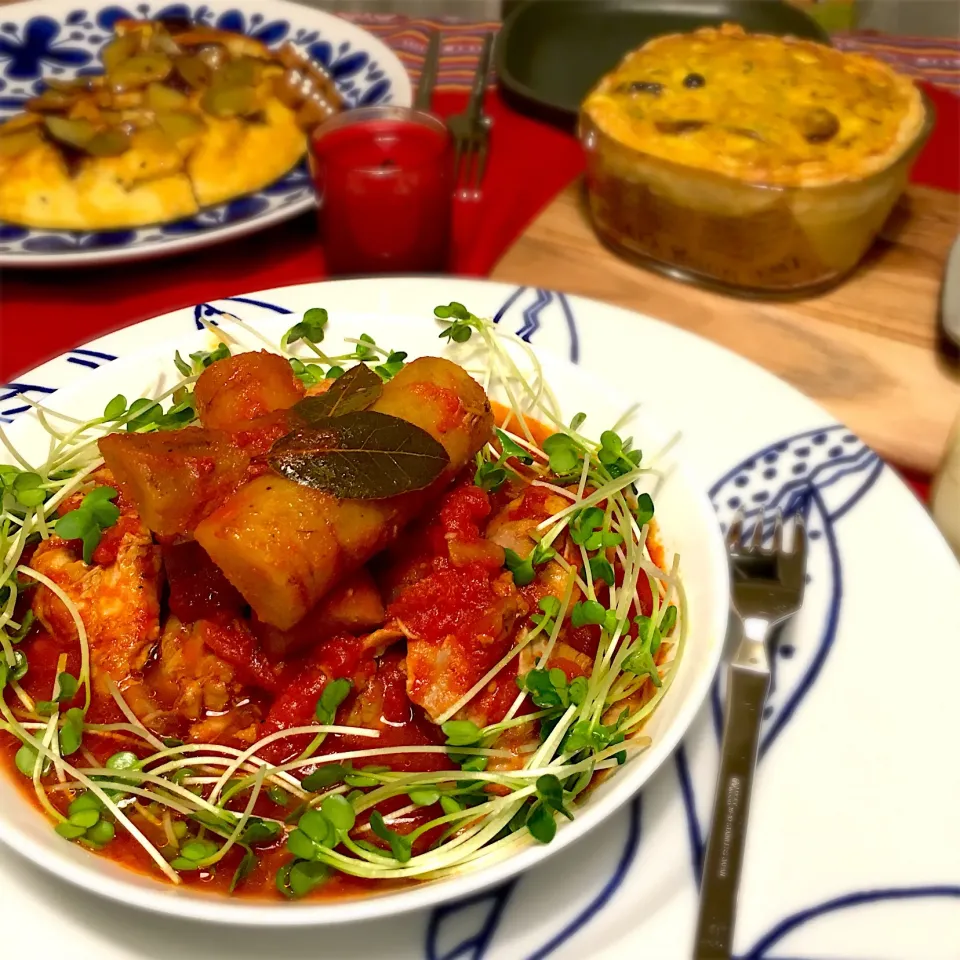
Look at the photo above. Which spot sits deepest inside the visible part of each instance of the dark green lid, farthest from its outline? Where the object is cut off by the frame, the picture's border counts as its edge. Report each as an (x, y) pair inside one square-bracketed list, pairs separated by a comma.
[(551, 52)]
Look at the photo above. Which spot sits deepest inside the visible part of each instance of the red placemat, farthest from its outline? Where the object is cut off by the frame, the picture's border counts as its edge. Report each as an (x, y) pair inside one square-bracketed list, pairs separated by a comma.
[(43, 313)]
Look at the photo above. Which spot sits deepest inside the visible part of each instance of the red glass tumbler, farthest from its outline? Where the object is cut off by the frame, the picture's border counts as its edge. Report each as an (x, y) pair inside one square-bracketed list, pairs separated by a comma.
[(384, 181)]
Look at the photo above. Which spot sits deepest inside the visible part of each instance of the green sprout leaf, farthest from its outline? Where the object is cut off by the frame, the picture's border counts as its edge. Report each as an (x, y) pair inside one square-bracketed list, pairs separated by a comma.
[(71, 732), (489, 476), (585, 524), (512, 450), (524, 570), (95, 514), (564, 453), (247, 865), (339, 812), (462, 324), (25, 624), (26, 760), (549, 610), (391, 366), (600, 569), (644, 512), (461, 733), (424, 796), (257, 830), (27, 489), (400, 846), (448, 804), (542, 824), (300, 845), (550, 791), (586, 613), (279, 796), (334, 693), (117, 407), (306, 876), (310, 328), (325, 776), (101, 833)]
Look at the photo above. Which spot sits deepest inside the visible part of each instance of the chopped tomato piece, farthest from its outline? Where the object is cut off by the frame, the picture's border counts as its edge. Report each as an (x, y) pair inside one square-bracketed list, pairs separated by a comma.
[(235, 644), (198, 588)]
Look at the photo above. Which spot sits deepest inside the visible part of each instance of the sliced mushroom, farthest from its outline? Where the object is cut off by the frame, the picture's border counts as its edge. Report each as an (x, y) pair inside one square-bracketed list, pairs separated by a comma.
[(225, 100), (140, 70), (110, 142), (73, 133), (120, 49), (159, 96), (194, 72), (244, 71), (178, 125)]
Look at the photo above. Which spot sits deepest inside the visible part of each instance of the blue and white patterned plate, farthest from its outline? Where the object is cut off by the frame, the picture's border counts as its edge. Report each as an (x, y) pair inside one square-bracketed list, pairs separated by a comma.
[(63, 39), (854, 843)]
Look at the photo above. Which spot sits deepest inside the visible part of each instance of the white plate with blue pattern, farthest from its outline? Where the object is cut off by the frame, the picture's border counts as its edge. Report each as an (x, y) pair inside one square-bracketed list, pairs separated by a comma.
[(854, 844), (63, 38)]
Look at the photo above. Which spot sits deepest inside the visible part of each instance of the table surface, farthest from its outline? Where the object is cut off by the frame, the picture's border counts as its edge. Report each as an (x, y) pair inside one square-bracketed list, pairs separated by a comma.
[(867, 351)]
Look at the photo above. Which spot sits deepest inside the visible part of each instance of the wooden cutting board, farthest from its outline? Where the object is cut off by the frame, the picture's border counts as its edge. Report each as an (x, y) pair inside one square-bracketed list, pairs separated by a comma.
[(869, 351)]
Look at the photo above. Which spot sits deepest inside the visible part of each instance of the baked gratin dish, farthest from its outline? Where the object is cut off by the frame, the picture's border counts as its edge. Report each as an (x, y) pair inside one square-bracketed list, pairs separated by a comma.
[(182, 117), (755, 162)]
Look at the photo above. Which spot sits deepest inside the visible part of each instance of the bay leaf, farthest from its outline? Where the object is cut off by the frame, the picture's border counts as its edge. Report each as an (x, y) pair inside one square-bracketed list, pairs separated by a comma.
[(356, 389), (361, 455)]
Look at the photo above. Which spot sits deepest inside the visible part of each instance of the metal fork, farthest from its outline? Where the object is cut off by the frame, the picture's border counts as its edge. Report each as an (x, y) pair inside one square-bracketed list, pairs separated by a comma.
[(471, 130), (767, 590)]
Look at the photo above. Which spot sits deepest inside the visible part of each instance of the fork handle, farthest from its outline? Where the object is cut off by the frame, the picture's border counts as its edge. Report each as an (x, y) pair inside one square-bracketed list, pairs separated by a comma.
[(479, 88), (747, 688)]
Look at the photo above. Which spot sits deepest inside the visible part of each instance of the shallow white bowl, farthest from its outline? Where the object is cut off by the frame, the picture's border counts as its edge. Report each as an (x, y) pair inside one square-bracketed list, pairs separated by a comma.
[(688, 527)]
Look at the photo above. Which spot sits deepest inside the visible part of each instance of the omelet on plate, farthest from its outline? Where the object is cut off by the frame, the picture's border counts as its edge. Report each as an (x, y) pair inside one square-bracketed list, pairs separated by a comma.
[(182, 117)]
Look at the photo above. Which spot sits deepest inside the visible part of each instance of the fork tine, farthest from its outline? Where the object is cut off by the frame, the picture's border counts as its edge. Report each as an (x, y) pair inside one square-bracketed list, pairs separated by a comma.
[(482, 159), (735, 533), (777, 546), (457, 158), (792, 564), (756, 541), (470, 166), (799, 537)]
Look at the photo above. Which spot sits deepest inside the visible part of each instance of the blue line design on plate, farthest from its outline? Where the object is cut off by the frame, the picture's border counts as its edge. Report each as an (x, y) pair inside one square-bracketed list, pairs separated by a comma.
[(533, 319), (693, 822), (80, 362), (508, 303), (94, 353), (531, 315), (572, 327), (12, 391), (472, 947), (797, 920), (631, 845), (209, 310)]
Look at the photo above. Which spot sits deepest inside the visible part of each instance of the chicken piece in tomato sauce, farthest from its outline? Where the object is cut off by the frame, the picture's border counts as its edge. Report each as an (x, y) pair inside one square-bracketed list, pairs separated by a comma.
[(117, 595)]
